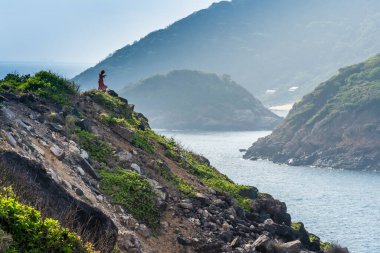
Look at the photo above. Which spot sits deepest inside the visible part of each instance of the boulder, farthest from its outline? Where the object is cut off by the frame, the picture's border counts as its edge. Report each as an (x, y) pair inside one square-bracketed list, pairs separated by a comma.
[(136, 168), (84, 124), (144, 231), (186, 204), (56, 127), (263, 244), (57, 152), (181, 240), (290, 247), (11, 140), (80, 171), (124, 156), (123, 132), (87, 167), (250, 192)]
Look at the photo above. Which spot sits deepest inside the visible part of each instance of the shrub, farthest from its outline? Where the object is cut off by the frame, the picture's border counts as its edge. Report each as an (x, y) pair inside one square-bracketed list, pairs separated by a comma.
[(98, 150), (31, 233), (214, 179), (140, 140), (133, 192)]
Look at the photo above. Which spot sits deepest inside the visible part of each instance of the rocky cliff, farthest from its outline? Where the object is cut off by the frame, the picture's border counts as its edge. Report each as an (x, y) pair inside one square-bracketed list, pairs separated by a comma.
[(185, 99), (92, 163), (337, 125)]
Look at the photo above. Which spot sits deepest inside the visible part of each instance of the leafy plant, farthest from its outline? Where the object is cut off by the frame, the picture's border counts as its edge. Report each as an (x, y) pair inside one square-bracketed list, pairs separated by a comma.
[(129, 189), (98, 150), (31, 233)]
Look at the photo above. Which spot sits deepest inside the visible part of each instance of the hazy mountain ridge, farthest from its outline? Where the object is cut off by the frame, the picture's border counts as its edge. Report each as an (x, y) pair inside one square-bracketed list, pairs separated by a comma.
[(337, 125), (185, 99), (261, 44)]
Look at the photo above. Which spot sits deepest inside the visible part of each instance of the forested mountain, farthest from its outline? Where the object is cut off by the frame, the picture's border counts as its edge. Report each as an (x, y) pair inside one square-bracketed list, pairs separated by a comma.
[(186, 99)]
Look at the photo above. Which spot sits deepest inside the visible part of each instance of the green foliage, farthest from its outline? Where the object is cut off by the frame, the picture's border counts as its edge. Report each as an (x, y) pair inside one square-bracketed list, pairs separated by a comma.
[(353, 89), (133, 192), (111, 103), (140, 140), (213, 178), (296, 225), (43, 84), (31, 233), (178, 182), (98, 150)]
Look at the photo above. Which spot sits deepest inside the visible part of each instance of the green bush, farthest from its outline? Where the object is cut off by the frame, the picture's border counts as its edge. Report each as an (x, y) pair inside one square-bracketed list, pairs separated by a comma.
[(98, 150), (140, 140), (214, 179), (178, 182), (31, 233), (133, 192), (43, 84)]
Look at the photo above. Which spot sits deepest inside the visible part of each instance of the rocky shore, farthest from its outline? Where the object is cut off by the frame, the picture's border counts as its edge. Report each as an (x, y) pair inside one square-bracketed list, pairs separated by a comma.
[(337, 125)]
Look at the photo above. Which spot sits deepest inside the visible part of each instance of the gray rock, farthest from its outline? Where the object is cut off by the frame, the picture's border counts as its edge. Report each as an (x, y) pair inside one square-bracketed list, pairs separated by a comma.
[(186, 205), (56, 127), (135, 167), (290, 247), (263, 243), (87, 167), (125, 156), (202, 198), (84, 154), (181, 240), (100, 198), (10, 139), (123, 132), (226, 236), (144, 231), (80, 171), (79, 192), (250, 192), (236, 242), (84, 124), (57, 152)]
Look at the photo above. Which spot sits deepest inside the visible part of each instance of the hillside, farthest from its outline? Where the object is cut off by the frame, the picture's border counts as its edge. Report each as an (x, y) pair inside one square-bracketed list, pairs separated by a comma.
[(91, 162), (337, 125), (269, 47), (186, 99)]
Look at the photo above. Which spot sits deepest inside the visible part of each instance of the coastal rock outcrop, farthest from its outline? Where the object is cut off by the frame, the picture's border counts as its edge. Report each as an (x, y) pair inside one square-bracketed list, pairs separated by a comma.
[(337, 125)]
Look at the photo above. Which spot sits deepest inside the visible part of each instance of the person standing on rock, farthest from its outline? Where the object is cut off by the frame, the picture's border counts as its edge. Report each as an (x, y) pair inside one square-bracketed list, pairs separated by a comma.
[(102, 86)]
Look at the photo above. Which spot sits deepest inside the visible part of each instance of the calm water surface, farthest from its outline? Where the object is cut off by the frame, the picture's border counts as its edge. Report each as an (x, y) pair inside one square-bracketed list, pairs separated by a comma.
[(339, 206)]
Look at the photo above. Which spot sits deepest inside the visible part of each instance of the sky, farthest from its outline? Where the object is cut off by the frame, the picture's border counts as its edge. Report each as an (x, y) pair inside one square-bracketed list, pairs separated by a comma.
[(82, 31)]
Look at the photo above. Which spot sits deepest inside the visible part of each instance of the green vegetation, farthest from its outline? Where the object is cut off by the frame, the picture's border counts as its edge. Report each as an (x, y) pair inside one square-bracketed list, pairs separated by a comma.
[(42, 84), (178, 182), (140, 140), (133, 192), (296, 225), (213, 178), (31, 233), (114, 104), (353, 89), (97, 149)]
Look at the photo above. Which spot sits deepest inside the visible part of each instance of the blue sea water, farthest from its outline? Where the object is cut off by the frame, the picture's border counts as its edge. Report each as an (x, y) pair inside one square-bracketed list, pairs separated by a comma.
[(339, 206)]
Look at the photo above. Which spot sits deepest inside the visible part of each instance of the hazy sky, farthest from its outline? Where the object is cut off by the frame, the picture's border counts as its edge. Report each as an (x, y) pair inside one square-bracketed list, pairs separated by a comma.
[(82, 31)]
